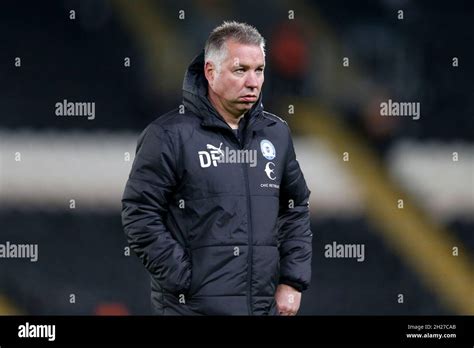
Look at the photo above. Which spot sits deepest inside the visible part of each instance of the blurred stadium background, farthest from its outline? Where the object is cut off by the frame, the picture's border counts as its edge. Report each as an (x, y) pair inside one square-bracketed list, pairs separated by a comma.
[(423, 251)]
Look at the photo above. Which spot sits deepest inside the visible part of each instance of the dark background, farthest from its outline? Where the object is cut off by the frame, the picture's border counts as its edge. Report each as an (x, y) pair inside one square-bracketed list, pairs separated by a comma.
[(81, 251)]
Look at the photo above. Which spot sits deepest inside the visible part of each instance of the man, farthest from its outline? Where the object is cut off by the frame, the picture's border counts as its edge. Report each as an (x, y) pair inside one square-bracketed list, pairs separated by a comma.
[(219, 236)]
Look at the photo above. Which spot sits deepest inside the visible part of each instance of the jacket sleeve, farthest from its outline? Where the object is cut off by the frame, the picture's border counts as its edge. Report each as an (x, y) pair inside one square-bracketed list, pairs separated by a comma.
[(144, 207), (295, 237)]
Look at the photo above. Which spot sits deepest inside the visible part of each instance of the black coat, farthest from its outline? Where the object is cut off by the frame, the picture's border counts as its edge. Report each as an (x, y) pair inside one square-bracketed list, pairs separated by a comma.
[(216, 237)]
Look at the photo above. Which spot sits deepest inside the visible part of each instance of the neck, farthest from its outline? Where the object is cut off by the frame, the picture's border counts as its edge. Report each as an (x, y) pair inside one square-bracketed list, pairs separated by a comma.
[(231, 119)]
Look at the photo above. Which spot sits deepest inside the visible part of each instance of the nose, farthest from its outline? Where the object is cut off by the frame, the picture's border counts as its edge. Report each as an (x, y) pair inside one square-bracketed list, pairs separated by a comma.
[(252, 80)]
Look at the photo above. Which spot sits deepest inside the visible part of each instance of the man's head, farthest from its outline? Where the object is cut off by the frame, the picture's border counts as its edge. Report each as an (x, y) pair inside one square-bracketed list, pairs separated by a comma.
[(234, 64)]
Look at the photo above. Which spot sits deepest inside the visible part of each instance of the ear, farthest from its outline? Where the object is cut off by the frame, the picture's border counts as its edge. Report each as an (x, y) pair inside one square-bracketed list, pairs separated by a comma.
[(210, 72)]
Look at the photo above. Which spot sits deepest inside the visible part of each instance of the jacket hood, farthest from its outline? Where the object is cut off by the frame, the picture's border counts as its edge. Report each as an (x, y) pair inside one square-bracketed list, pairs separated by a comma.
[(195, 94)]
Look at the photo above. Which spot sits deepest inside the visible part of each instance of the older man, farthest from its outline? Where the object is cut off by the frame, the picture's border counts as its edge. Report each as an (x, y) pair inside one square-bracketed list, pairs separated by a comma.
[(221, 237)]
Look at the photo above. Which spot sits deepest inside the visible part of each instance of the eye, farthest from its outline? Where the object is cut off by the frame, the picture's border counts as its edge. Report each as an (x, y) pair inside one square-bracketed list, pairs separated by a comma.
[(260, 70), (239, 70)]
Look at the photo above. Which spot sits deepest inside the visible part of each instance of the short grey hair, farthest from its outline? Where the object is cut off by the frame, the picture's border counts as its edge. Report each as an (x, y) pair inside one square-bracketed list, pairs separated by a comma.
[(215, 49)]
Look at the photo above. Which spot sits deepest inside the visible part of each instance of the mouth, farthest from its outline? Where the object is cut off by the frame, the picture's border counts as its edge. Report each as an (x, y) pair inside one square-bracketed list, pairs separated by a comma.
[(249, 98)]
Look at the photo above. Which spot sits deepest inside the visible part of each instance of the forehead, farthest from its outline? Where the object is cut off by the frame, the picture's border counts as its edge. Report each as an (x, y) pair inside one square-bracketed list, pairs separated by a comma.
[(238, 53)]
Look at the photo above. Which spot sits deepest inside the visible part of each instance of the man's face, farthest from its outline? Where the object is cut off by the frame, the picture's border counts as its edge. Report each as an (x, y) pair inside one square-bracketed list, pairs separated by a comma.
[(238, 82)]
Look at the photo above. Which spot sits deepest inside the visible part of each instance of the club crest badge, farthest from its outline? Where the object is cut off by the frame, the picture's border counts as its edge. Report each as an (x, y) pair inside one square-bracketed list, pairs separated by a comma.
[(268, 150)]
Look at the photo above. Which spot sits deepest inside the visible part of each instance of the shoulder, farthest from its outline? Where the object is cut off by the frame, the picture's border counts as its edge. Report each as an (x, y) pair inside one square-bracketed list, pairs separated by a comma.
[(173, 124), (280, 124), (171, 128), (175, 120), (274, 117)]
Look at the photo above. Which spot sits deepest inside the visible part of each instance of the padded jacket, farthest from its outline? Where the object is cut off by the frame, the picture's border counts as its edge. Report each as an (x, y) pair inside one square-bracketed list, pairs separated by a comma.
[(218, 220)]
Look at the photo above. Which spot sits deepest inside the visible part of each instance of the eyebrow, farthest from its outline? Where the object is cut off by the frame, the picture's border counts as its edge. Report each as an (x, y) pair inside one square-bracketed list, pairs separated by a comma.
[(248, 66)]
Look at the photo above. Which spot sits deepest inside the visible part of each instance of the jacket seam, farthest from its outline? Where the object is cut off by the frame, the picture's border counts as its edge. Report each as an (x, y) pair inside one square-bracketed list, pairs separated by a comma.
[(226, 195), (230, 245), (295, 240)]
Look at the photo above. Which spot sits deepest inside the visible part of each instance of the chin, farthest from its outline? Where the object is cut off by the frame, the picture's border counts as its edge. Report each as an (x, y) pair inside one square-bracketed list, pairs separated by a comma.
[(247, 106), (243, 107)]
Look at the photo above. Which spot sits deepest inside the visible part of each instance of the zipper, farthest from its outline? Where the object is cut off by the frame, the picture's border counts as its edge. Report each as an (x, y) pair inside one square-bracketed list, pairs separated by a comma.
[(246, 139), (242, 146), (250, 240)]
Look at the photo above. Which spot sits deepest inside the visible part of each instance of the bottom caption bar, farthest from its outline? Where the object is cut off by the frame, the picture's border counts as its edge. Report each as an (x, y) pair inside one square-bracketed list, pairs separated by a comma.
[(140, 330)]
